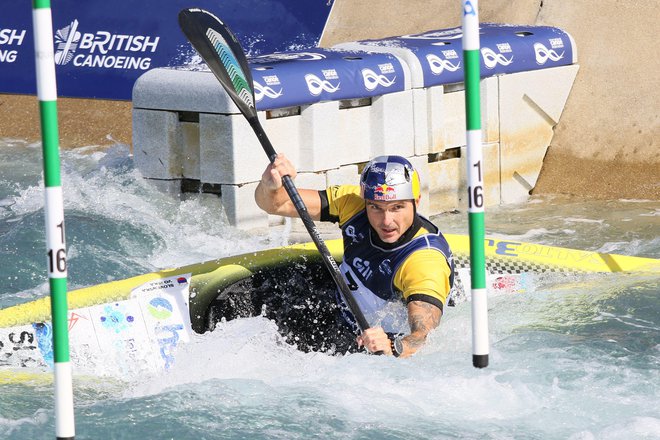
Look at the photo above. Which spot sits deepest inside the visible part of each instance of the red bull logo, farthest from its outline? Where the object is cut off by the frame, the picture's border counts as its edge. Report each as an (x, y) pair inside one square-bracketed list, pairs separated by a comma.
[(384, 192)]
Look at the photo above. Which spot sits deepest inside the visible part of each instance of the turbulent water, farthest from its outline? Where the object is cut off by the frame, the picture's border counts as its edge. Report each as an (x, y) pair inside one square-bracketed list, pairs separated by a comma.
[(573, 358)]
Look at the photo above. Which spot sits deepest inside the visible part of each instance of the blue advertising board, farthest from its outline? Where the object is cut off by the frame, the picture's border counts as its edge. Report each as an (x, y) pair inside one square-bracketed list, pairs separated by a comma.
[(102, 47), (302, 78), (504, 49)]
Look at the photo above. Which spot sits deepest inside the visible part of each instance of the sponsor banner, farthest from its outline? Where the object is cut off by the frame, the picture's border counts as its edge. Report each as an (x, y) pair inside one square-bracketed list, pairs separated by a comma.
[(504, 49), (296, 78), (101, 48)]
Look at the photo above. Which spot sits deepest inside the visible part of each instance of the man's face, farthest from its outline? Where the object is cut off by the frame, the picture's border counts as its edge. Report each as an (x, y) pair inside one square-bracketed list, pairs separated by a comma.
[(390, 219)]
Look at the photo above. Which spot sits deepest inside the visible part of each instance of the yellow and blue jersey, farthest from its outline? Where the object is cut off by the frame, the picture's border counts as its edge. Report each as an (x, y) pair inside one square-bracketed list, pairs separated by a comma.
[(419, 269)]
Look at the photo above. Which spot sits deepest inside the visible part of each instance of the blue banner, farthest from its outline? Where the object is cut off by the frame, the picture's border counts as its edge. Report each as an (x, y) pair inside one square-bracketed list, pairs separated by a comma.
[(102, 47), (302, 78), (504, 49)]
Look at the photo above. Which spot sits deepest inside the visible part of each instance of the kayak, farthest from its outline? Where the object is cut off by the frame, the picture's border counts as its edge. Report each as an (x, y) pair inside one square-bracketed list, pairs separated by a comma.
[(139, 322)]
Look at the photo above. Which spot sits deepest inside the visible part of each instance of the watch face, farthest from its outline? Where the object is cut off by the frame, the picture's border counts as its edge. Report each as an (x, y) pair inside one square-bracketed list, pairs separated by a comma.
[(398, 346)]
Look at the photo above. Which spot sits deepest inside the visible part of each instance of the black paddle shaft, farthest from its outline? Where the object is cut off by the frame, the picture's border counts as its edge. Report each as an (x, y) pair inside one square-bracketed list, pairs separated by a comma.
[(313, 231), (222, 52)]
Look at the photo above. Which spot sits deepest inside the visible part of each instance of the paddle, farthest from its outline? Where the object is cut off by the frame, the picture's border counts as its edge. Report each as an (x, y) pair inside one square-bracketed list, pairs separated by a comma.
[(222, 52)]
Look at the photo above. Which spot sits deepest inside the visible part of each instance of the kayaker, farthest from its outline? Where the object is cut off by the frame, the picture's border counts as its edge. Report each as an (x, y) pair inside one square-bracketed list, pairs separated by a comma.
[(392, 255)]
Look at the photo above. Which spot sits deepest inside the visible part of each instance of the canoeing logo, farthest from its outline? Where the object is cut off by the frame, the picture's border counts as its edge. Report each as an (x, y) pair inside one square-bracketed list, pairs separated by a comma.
[(160, 308), (543, 54), (373, 79), (317, 85), (384, 192), (103, 49), (492, 59), (438, 65), (10, 37), (66, 43), (267, 91)]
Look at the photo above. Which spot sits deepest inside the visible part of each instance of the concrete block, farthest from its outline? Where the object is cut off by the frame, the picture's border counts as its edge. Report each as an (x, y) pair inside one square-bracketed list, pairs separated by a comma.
[(319, 146), (156, 144), (311, 181), (449, 125), (229, 150), (490, 107), (283, 133), (448, 181), (314, 181), (345, 175), (171, 187), (444, 126), (181, 90), (241, 209), (421, 164), (189, 149), (530, 106), (447, 185), (392, 124), (354, 135), (421, 120)]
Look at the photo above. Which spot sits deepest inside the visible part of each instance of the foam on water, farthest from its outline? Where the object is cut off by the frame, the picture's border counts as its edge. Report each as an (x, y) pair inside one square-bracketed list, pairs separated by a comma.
[(571, 356)]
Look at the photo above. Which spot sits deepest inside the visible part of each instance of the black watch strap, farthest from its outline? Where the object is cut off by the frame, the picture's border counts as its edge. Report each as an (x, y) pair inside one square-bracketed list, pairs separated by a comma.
[(396, 344)]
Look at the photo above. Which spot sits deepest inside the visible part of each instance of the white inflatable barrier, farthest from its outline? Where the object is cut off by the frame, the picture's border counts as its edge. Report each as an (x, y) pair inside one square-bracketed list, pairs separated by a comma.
[(330, 110)]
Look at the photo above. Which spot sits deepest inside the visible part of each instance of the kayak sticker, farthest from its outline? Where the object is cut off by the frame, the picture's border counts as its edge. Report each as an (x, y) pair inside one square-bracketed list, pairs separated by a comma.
[(116, 318), (164, 303), (19, 347)]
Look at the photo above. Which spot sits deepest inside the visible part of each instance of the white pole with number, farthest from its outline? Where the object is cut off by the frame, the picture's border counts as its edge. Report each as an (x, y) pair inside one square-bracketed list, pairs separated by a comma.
[(475, 172)]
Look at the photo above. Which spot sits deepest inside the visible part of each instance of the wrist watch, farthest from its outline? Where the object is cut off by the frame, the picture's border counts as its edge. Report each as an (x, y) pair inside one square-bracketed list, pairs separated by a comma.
[(396, 343)]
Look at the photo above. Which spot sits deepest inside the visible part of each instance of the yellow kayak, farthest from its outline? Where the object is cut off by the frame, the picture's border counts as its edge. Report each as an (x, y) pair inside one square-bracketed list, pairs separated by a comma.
[(146, 317)]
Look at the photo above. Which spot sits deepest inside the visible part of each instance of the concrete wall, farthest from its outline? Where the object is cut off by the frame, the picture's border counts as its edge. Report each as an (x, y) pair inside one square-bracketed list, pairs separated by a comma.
[(606, 144)]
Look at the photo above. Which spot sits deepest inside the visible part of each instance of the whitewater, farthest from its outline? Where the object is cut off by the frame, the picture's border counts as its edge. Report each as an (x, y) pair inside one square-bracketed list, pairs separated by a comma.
[(574, 357)]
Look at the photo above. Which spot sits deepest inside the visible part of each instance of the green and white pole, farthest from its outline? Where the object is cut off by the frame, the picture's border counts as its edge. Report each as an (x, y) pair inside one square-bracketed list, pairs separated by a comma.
[(475, 172), (54, 207)]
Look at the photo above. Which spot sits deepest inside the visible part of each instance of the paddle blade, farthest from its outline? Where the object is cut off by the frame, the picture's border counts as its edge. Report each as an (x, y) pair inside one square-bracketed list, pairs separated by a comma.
[(220, 49)]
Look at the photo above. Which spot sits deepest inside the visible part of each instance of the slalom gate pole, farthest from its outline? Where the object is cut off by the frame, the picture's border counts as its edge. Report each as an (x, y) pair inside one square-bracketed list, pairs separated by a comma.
[(54, 207), (475, 173)]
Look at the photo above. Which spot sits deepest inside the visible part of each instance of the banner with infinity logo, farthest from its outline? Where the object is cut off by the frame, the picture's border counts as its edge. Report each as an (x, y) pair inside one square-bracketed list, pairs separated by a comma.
[(436, 57), (297, 78)]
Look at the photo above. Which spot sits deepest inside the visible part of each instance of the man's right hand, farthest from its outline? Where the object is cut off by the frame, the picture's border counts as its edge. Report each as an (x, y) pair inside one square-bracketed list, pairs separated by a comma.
[(271, 178), (272, 197)]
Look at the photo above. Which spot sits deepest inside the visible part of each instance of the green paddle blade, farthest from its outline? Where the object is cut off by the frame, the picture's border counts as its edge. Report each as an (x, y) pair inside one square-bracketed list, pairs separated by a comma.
[(220, 49)]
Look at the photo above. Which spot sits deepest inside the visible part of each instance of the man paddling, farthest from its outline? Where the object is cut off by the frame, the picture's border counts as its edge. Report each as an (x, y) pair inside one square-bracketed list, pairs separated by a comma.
[(392, 255)]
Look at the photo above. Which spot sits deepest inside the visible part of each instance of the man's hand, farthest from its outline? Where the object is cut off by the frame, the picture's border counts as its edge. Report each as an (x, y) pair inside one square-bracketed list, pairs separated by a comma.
[(422, 317), (272, 197), (271, 178), (375, 339)]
